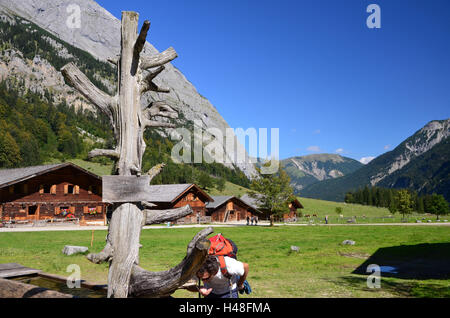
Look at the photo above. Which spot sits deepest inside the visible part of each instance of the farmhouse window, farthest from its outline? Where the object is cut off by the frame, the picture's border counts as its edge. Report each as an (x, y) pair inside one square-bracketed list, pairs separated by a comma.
[(92, 210), (44, 188), (65, 210), (93, 189), (32, 210), (17, 188)]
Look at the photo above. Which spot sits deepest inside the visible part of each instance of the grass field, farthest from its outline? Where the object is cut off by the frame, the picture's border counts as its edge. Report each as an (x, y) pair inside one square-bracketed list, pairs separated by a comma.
[(322, 268), (230, 189), (363, 213)]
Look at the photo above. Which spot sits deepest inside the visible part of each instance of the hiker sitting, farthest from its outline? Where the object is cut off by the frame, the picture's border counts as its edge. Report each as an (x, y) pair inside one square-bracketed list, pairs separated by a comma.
[(222, 280)]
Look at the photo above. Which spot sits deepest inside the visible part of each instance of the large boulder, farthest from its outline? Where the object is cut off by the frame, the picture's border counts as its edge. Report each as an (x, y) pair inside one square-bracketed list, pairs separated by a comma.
[(70, 250)]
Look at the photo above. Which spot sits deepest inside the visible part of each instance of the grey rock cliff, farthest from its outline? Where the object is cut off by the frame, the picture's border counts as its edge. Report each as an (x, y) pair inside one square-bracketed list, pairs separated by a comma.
[(422, 141), (99, 34)]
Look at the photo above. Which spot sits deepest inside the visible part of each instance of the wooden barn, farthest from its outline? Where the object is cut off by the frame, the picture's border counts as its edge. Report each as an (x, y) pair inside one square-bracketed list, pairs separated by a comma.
[(171, 196), (293, 211), (51, 192), (229, 209), (290, 215)]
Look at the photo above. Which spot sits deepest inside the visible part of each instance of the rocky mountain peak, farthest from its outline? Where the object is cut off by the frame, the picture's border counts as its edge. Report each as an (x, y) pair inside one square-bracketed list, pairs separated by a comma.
[(422, 141)]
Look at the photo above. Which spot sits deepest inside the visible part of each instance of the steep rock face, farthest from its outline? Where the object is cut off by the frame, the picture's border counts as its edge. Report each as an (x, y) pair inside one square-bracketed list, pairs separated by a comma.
[(38, 75), (99, 34), (306, 170)]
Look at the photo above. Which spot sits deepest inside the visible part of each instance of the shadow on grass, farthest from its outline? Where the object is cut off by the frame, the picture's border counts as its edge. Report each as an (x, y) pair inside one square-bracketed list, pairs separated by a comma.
[(401, 288), (405, 271), (422, 261)]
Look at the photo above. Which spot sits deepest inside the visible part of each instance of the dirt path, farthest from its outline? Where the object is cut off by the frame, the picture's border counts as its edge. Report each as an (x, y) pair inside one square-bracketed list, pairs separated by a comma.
[(263, 223)]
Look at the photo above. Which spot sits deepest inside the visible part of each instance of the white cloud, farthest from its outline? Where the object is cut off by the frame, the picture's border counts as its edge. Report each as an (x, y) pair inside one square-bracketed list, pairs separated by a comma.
[(339, 150), (366, 160), (387, 147), (313, 148), (316, 132)]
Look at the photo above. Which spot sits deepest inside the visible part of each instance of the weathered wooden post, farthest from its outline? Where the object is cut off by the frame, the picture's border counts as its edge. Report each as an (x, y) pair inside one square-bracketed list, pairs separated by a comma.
[(129, 121)]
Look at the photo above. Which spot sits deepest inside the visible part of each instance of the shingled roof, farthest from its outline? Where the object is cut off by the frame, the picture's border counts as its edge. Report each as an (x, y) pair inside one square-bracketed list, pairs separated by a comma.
[(220, 200), (251, 201), (171, 192), (11, 176)]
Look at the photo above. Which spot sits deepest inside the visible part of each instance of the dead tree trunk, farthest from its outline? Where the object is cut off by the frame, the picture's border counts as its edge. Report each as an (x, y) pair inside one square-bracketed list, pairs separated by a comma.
[(129, 122)]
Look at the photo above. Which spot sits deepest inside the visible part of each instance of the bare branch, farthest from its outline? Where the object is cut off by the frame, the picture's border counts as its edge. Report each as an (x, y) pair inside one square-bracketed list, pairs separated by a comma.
[(104, 256), (147, 204), (154, 123), (81, 83), (152, 74), (161, 284), (158, 59), (114, 60), (140, 42), (149, 85), (161, 216), (154, 171), (198, 237), (160, 109), (104, 152)]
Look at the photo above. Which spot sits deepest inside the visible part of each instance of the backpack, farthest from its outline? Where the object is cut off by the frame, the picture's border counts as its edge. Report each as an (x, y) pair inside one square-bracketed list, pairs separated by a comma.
[(221, 247)]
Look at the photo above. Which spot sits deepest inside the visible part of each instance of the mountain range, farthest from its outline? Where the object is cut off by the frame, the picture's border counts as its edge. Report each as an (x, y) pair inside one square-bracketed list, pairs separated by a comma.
[(421, 163), (307, 170)]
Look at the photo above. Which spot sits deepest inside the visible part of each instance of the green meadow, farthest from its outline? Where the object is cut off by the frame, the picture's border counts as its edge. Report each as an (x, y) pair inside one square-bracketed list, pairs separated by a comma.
[(361, 213), (322, 268)]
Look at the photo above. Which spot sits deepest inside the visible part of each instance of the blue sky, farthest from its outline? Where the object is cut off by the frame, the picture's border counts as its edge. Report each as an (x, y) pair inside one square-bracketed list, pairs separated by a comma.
[(311, 68)]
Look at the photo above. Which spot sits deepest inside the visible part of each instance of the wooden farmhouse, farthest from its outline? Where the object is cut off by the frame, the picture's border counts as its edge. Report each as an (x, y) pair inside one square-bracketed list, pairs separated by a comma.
[(290, 215), (51, 192), (230, 208), (171, 196), (293, 211)]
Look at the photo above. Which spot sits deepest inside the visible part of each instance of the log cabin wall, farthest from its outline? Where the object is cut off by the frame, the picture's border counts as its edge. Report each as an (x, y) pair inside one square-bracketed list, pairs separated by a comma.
[(238, 212), (48, 195), (197, 203), (292, 213), (196, 199)]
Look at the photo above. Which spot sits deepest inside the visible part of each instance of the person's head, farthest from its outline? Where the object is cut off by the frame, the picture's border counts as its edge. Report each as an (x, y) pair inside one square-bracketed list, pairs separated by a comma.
[(209, 268)]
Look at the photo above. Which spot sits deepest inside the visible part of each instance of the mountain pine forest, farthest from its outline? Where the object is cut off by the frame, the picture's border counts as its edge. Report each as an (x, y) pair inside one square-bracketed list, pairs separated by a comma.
[(37, 127), (399, 200)]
